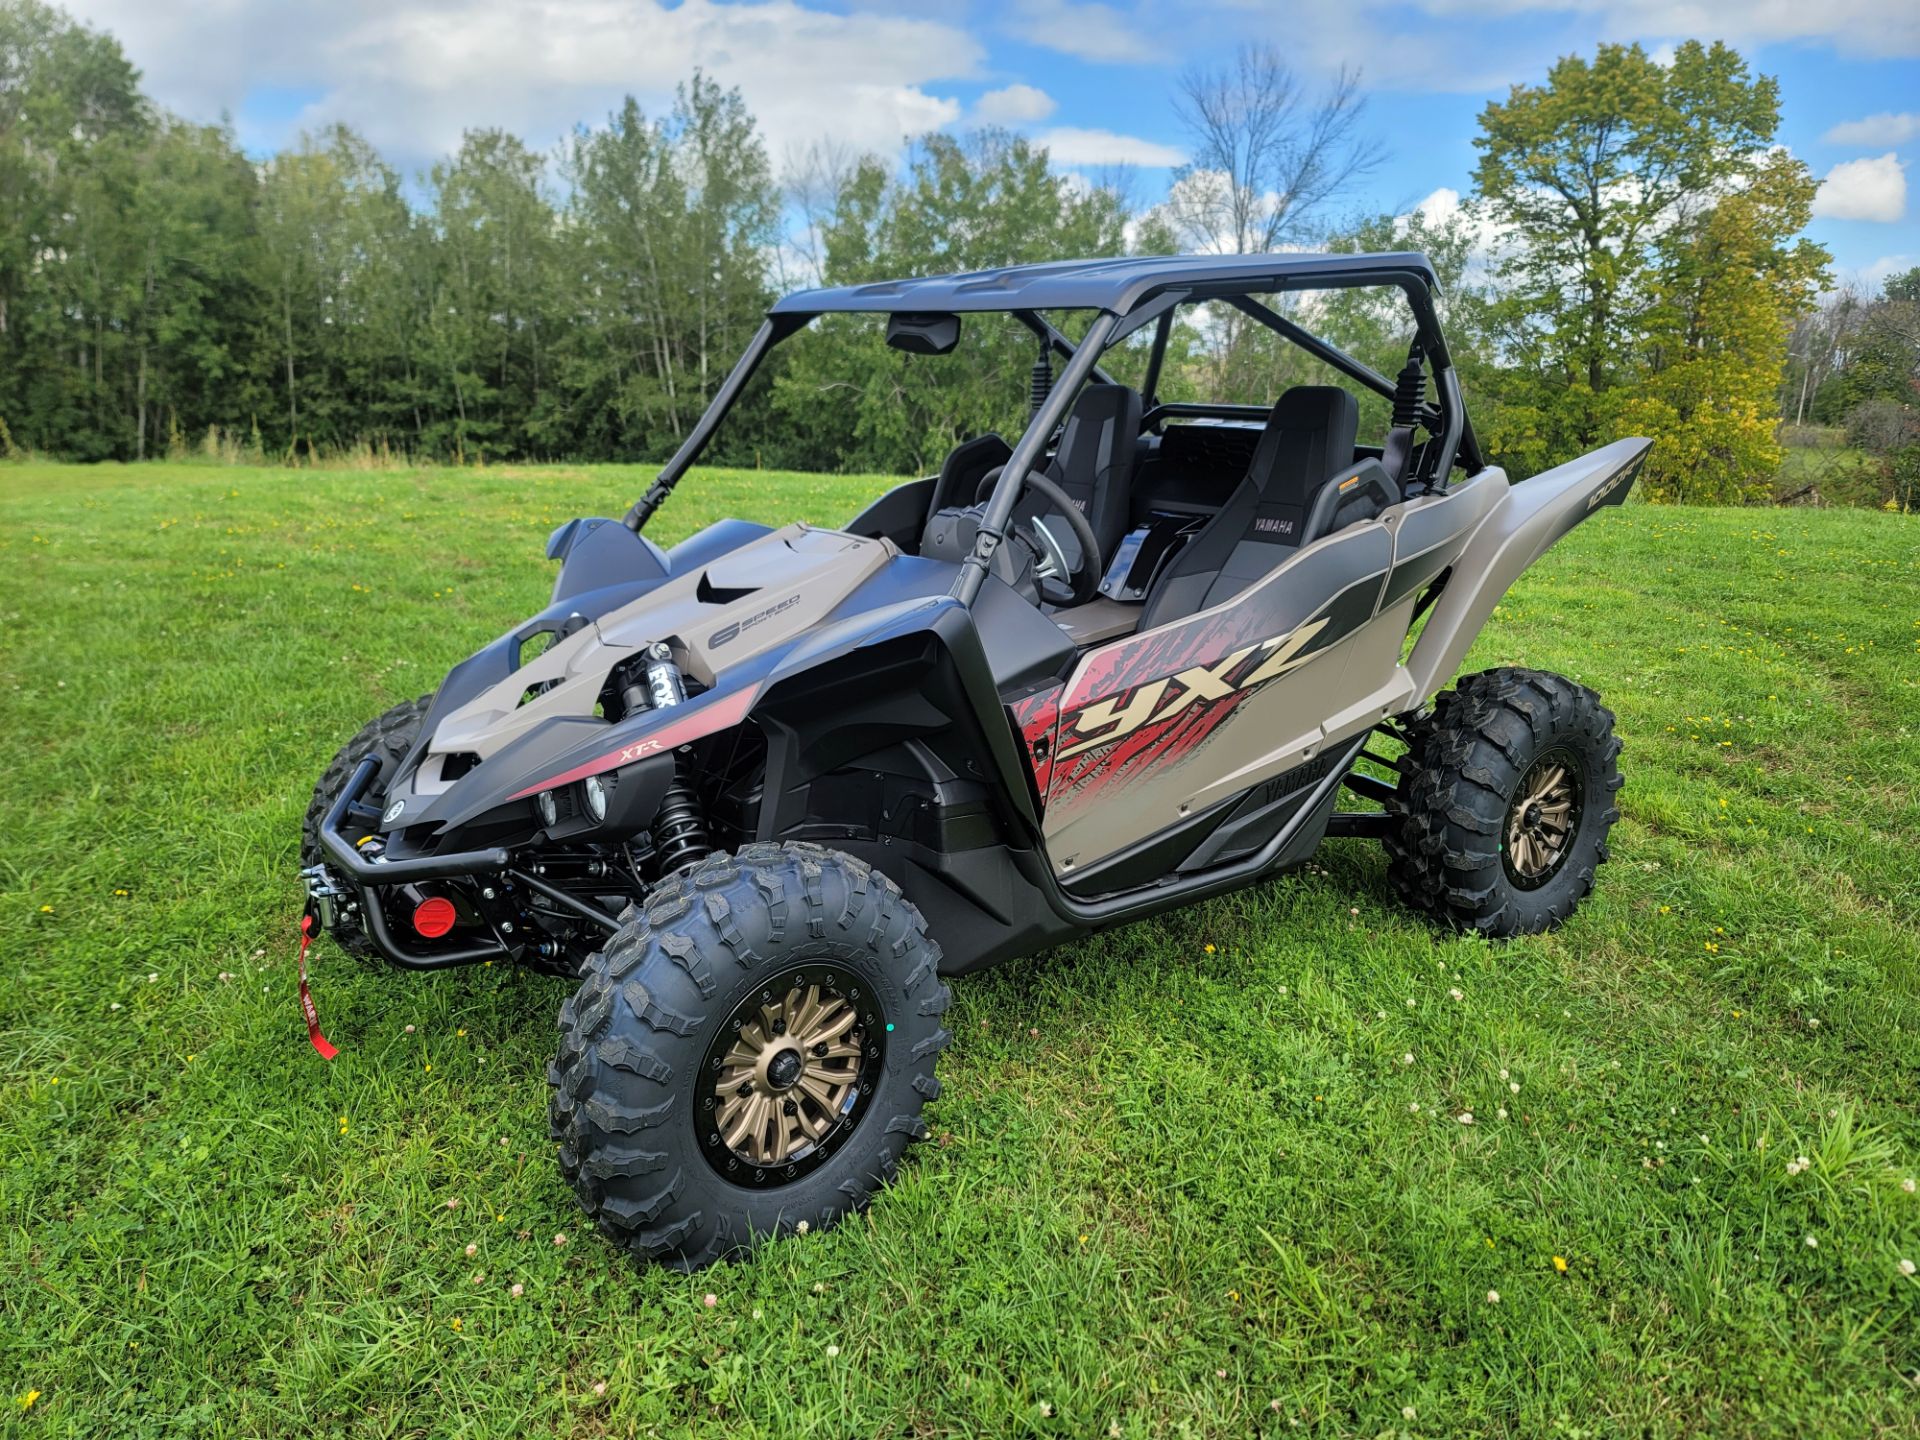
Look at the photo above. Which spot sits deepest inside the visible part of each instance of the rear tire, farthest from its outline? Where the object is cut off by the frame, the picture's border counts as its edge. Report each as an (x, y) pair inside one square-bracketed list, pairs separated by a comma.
[(391, 736), (1505, 802), (645, 1072)]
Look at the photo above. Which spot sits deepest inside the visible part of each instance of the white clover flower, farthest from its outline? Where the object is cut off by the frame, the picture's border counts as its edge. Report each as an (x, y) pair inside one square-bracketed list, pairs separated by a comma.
[(1465, 1117), (1457, 993), (1493, 1297), (1812, 1243), (1907, 1267)]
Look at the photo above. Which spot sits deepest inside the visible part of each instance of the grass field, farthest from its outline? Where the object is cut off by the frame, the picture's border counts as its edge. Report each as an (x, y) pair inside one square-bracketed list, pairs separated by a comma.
[(1204, 1176)]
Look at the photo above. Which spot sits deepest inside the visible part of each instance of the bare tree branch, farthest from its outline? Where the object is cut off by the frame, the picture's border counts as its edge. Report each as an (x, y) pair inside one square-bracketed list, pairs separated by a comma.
[(1268, 157)]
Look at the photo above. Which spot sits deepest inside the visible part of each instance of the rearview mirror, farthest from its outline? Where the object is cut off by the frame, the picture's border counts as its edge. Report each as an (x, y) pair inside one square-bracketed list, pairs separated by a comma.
[(930, 334)]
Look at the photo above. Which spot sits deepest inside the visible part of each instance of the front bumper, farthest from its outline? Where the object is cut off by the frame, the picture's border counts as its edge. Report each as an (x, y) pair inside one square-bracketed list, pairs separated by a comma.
[(350, 880)]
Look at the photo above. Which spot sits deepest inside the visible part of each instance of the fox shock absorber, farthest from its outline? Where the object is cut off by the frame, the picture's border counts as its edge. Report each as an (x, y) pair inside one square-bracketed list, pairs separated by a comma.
[(664, 686)]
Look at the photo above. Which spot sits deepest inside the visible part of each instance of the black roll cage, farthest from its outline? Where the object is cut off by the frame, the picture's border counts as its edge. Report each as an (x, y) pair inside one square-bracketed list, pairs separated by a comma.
[(1153, 304)]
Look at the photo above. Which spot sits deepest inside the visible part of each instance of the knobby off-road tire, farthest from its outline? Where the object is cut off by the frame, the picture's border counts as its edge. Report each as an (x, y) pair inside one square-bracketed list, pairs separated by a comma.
[(1461, 848), (392, 736), (635, 1107)]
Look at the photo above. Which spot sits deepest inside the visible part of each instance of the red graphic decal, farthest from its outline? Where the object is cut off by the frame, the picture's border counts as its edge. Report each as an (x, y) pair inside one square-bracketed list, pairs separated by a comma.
[(1166, 719), (1037, 716), (707, 716)]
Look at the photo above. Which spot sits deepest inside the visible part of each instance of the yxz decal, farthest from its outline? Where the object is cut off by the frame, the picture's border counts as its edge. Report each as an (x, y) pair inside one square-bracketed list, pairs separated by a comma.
[(1116, 716)]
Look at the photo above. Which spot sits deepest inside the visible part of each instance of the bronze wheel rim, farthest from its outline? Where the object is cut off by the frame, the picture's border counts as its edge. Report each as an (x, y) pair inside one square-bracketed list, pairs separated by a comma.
[(1542, 819), (789, 1074)]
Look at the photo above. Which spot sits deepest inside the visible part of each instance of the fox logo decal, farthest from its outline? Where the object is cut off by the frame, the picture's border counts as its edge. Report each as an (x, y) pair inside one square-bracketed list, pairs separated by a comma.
[(1116, 716)]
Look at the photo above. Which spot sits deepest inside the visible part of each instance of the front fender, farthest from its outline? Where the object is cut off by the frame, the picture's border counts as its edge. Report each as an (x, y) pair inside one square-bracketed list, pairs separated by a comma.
[(1516, 532)]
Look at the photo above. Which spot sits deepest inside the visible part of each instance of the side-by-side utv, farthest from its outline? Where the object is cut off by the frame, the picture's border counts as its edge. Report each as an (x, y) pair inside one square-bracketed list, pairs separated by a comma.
[(764, 792)]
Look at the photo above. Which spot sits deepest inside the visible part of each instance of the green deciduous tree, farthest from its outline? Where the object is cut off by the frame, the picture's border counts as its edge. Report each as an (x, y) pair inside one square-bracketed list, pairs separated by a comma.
[(670, 230), (1726, 289), (964, 203), (1607, 183)]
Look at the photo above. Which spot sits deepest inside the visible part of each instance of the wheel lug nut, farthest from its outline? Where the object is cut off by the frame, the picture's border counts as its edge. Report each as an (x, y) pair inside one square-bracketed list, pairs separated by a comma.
[(820, 1050), (745, 1090), (779, 1027), (789, 1108)]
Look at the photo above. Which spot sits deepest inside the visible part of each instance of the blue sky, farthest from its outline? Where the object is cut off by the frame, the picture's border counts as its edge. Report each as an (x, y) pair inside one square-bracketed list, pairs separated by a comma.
[(1095, 80)]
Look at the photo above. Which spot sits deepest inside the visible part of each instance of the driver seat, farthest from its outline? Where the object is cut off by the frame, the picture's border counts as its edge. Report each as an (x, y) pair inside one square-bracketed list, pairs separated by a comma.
[(1094, 466)]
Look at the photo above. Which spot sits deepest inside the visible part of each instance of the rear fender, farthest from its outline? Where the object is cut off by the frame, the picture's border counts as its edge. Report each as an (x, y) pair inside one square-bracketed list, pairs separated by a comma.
[(1516, 532)]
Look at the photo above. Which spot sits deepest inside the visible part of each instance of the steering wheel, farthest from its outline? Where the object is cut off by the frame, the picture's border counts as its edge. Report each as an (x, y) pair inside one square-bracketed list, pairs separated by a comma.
[(1079, 584)]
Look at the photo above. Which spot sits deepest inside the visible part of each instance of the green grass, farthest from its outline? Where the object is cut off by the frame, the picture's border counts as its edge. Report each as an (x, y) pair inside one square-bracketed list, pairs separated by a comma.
[(1185, 1179)]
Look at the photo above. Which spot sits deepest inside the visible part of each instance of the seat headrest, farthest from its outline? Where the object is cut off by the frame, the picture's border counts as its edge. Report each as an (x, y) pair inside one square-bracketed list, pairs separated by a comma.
[(1098, 402), (1310, 433), (1316, 407)]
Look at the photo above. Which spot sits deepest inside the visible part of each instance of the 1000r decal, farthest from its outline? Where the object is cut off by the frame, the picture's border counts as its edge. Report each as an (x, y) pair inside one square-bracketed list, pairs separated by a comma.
[(1114, 717)]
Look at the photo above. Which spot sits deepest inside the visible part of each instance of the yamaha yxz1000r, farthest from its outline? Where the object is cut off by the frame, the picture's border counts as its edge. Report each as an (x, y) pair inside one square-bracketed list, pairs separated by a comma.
[(765, 792)]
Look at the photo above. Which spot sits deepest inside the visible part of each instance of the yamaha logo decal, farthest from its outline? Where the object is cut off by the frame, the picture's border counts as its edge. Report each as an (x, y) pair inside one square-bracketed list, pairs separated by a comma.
[(394, 812)]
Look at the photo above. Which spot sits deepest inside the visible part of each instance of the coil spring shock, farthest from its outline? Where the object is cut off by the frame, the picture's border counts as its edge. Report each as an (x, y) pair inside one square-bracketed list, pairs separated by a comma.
[(1409, 391), (680, 829), (1040, 380)]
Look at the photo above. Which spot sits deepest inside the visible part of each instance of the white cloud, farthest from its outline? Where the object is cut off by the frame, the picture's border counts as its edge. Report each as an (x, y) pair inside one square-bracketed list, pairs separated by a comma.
[(1870, 28), (1085, 31), (412, 74), (1013, 105), (1870, 277), (1886, 128), (1071, 146), (1871, 189), (1445, 209)]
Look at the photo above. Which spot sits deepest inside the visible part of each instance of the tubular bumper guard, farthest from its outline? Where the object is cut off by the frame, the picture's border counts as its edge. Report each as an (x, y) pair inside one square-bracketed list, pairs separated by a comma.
[(368, 877)]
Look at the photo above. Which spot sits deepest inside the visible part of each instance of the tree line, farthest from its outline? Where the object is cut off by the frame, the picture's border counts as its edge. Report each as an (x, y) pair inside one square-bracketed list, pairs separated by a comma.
[(1630, 262)]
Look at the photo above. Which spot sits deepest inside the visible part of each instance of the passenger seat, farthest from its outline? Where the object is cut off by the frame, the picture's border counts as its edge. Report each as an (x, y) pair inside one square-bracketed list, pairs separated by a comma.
[(1308, 439)]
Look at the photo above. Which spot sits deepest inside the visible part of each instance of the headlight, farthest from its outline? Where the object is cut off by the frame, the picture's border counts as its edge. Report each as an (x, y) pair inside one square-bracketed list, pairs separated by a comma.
[(548, 807), (596, 792)]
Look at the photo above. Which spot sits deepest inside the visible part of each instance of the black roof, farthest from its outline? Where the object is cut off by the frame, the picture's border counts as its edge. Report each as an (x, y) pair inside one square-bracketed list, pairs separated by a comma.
[(1112, 284)]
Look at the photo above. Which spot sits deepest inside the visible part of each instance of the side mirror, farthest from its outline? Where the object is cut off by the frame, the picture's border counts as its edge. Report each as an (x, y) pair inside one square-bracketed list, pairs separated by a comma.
[(926, 334)]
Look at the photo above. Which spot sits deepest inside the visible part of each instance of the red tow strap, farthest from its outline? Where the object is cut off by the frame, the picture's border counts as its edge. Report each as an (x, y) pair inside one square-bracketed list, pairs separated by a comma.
[(327, 1052)]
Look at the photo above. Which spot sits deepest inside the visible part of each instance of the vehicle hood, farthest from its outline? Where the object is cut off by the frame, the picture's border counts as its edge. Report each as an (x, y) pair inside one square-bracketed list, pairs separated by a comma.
[(719, 616)]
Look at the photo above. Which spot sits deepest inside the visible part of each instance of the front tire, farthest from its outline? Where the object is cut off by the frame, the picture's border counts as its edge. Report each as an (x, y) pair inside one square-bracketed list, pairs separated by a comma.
[(787, 996), (1504, 803)]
